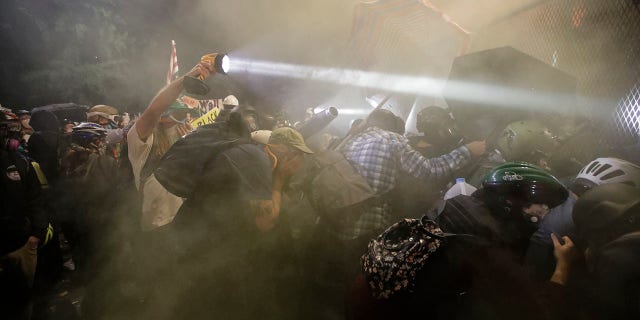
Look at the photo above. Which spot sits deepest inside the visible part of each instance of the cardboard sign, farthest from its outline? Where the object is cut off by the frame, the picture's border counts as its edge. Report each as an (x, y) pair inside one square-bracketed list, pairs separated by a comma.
[(207, 118)]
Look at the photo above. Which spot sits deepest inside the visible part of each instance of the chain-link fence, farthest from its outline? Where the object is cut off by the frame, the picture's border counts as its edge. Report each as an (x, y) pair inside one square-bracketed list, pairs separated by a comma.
[(596, 41)]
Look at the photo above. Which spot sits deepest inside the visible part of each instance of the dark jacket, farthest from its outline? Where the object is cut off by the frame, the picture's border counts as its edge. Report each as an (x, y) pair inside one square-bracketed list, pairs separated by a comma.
[(476, 216), (44, 143), (466, 278), (21, 213)]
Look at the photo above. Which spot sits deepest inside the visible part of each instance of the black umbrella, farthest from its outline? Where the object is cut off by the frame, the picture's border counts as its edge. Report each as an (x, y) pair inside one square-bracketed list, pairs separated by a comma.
[(70, 111)]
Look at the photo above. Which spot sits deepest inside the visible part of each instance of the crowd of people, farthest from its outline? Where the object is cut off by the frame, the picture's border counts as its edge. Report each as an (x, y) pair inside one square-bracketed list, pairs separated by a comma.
[(248, 218)]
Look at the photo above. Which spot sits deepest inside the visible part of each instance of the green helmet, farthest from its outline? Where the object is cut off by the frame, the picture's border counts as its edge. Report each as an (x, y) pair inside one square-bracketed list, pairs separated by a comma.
[(607, 212), (523, 140), (516, 184)]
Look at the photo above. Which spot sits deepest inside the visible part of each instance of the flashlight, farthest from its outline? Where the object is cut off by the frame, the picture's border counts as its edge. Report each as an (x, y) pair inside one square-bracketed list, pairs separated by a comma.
[(197, 86), (220, 62)]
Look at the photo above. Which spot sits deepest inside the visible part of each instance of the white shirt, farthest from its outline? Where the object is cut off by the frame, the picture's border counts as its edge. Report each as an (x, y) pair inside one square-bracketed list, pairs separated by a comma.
[(159, 206)]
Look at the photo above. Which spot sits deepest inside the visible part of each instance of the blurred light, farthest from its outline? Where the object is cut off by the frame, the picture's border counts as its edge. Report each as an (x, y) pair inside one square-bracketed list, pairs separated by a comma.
[(480, 94), (354, 112)]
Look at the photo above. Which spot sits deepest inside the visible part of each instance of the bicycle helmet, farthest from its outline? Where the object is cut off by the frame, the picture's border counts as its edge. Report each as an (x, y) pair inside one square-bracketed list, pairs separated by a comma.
[(523, 140), (87, 132), (606, 170), (515, 184)]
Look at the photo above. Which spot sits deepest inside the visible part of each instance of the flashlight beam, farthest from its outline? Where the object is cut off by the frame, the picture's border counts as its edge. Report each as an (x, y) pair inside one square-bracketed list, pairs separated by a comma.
[(482, 94)]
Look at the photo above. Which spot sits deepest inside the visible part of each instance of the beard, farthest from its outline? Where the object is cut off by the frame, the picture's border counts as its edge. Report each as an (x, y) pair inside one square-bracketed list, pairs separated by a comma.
[(166, 137)]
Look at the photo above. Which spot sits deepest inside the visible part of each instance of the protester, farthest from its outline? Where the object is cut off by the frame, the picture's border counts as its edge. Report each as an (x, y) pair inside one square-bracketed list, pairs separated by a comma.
[(23, 222), (414, 267), (414, 197), (380, 154), (607, 224), (159, 126), (514, 197), (600, 171), (107, 116), (234, 208), (45, 143), (440, 132)]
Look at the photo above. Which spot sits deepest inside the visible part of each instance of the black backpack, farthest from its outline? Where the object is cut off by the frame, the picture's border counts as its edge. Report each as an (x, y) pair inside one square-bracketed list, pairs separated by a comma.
[(179, 170)]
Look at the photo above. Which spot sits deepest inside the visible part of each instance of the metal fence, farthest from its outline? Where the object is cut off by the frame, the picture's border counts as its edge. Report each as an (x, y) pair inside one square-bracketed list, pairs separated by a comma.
[(596, 41)]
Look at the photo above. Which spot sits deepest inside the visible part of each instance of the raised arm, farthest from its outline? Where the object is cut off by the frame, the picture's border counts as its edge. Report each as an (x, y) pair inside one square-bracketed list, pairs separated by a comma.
[(165, 97)]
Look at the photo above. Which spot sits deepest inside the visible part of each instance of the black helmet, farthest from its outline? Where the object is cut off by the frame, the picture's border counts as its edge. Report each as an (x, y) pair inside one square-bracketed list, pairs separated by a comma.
[(606, 212), (438, 126), (517, 184)]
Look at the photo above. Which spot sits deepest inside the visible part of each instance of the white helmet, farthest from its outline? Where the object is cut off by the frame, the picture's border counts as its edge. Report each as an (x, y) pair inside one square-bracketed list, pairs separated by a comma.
[(261, 136), (608, 170), (231, 100)]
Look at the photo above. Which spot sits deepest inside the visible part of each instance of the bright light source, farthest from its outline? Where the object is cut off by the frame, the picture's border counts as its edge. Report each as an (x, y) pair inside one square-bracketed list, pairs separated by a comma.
[(226, 64), (222, 63)]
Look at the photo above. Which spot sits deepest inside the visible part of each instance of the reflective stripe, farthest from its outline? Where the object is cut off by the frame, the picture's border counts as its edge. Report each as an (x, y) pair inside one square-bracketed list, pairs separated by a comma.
[(41, 177)]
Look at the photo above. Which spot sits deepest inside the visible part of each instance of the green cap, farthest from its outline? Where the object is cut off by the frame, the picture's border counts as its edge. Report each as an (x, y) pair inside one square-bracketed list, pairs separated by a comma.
[(290, 137)]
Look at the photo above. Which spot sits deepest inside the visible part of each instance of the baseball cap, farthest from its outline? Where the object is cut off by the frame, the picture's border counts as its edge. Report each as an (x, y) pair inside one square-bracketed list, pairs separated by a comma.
[(290, 137)]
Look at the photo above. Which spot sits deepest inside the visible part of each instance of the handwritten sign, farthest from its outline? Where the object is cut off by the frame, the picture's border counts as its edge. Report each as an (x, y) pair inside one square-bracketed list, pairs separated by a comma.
[(207, 118)]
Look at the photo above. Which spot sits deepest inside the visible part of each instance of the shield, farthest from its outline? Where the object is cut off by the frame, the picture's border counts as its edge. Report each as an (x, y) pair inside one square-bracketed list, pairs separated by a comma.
[(488, 89)]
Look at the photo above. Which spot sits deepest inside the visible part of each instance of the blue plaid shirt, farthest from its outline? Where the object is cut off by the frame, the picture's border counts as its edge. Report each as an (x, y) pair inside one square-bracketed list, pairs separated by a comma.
[(379, 155)]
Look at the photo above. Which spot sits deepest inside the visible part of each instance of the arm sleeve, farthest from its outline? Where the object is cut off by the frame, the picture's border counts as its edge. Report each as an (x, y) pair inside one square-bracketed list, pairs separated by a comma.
[(412, 162)]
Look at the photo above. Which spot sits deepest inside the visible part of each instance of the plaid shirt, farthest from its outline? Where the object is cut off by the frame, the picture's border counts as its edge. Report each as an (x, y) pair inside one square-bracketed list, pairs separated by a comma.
[(379, 156)]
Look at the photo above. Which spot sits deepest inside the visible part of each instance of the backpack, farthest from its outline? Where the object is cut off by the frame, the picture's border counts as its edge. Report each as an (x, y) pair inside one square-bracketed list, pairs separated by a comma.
[(333, 184), (395, 257), (180, 168)]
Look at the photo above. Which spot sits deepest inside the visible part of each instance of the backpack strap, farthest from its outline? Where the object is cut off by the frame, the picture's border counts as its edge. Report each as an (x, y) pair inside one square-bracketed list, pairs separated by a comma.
[(149, 166)]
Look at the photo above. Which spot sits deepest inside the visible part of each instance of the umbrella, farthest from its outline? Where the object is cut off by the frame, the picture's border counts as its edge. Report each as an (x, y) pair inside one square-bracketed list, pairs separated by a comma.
[(70, 111)]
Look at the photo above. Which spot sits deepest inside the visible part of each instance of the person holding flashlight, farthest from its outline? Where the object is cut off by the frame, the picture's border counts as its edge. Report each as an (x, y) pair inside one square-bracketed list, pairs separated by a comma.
[(159, 126)]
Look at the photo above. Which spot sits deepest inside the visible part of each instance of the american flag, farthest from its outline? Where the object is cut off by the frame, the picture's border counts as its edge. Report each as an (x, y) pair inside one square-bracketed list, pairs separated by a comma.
[(173, 63)]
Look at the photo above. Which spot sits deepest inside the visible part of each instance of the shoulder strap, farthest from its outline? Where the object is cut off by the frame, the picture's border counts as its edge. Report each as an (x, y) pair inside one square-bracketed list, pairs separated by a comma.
[(150, 165)]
